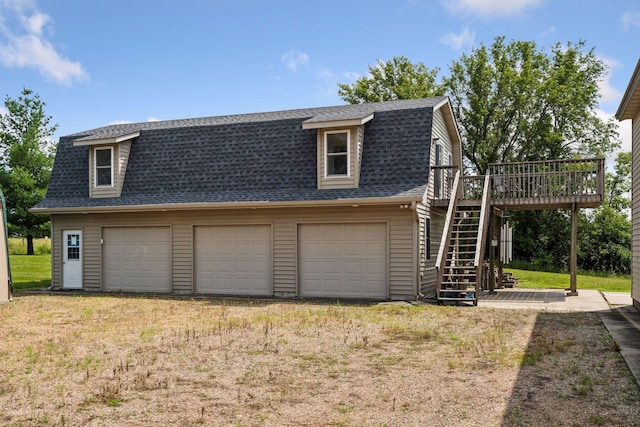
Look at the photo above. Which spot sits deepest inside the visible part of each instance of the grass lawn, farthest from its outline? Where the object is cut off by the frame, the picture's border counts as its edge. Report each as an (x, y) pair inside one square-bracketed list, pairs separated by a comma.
[(544, 280), (30, 271), (115, 361)]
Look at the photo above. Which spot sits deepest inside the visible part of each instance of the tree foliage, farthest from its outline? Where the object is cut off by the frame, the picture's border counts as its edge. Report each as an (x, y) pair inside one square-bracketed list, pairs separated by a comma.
[(514, 102), (396, 79), (605, 241), (26, 161), (618, 184)]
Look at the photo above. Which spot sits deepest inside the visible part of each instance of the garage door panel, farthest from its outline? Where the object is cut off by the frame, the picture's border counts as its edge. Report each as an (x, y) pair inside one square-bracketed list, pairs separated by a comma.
[(233, 259), (343, 260), (136, 259)]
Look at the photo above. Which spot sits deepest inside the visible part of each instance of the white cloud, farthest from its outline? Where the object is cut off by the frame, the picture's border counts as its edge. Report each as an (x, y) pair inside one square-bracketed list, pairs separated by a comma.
[(624, 130), (608, 93), (630, 18), (153, 119), (119, 122), (490, 7), (30, 48), (458, 41), (350, 75), (35, 23), (547, 32), (294, 59), (3, 110)]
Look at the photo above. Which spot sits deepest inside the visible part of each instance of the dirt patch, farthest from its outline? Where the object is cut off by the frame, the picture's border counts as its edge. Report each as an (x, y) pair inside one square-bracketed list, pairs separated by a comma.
[(134, 361)]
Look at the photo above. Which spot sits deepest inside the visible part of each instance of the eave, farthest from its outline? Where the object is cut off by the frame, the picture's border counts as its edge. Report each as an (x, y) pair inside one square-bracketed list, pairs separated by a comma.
[(323, 124), (630, 104), (233, 205), (105, 141)]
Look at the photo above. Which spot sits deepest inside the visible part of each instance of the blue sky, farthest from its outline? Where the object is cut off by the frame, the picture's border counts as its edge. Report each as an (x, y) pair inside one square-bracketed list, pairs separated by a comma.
[(108, 61)]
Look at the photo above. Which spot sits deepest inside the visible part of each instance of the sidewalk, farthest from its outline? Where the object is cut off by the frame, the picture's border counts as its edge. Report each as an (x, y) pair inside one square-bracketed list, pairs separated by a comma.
[(615, 309), (623, 323)]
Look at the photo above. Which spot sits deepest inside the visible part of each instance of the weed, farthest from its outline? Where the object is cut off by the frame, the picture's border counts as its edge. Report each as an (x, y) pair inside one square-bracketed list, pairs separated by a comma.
[(584, 387), (598, 419)]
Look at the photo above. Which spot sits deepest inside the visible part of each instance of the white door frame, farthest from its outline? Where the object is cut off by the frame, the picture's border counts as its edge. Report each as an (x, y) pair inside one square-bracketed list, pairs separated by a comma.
[(72, 259)]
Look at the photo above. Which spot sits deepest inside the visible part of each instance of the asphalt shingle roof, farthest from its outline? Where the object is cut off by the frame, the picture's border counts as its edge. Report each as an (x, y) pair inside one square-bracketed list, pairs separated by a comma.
[(260, 157)]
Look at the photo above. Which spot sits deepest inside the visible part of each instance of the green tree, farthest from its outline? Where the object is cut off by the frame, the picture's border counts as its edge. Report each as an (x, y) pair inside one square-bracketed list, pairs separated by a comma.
[(618, 184), (605, 241), (396, 79), (605, 233), (514, 102), (26, 161)]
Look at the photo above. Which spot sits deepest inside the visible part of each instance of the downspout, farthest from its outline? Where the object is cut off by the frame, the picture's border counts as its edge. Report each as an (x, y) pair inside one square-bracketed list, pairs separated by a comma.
[(416, 250)]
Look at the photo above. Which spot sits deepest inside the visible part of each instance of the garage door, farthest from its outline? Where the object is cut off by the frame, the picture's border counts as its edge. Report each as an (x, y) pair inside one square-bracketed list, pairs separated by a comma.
[(343, 260), (233, 259), (136, 259)]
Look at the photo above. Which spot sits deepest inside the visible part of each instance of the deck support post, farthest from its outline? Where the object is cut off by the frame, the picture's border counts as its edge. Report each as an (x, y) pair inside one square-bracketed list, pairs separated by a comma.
[(573, 289), (492, 252)]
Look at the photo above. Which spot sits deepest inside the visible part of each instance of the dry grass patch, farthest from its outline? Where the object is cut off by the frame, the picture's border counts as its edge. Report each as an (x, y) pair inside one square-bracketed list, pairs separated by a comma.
[(134, 361)]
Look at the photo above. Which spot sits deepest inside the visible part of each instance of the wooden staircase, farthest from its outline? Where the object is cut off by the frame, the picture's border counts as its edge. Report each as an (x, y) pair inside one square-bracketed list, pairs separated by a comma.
[(459, 278), (461, 252)]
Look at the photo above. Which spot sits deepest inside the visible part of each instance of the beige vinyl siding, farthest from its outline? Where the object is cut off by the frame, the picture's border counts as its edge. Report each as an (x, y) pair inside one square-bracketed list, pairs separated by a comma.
[(56, 252), (402, 262), (284, 258), (428, 266), (182, 255), (356, 138), (402, 274), (440, 131), (635, 213), (92, 253), (124, 148)]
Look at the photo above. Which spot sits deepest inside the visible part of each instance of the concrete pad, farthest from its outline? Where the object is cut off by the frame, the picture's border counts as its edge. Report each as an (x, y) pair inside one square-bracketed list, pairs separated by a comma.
[(544, 299), (618, 298)]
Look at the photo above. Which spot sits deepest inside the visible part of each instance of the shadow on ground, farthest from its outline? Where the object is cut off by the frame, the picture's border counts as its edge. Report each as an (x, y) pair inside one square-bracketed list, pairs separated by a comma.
[(572, 374)]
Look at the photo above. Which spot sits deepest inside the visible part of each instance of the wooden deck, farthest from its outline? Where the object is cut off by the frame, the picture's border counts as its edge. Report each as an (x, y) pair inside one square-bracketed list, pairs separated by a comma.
[(553, 184)]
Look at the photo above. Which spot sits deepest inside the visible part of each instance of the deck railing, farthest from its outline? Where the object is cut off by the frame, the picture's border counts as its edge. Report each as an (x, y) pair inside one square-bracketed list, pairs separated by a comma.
[(547, 179), (531, 185)]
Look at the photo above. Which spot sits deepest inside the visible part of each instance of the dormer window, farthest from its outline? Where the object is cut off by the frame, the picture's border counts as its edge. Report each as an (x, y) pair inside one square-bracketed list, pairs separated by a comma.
[(340, 138), (104, 166), (337, 149)]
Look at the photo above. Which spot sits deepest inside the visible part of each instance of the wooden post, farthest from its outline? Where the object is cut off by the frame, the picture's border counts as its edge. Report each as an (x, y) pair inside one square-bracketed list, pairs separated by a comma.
[(492, 253), (573, 289), (499, 249)]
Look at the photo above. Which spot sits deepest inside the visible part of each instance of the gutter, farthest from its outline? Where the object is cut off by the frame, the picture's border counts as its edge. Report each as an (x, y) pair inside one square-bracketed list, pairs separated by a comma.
[(230, 205)]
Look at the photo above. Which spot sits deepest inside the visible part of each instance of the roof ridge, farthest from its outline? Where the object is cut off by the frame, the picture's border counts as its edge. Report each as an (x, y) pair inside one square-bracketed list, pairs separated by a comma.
[(298, 113)]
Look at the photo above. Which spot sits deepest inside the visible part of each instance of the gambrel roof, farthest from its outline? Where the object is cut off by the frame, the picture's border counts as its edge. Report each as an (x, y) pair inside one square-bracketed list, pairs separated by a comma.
[(250, 159)]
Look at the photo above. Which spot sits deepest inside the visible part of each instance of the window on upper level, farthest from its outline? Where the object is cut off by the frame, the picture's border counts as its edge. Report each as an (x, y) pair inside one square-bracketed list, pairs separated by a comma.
[(104, 167), (337, 152)]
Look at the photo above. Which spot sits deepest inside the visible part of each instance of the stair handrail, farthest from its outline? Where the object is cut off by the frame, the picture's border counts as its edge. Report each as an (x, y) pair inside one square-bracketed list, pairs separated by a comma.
[(441, 259), (482, 228)]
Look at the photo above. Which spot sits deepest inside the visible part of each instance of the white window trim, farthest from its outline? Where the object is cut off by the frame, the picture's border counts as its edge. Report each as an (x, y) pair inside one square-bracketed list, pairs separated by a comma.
[(326, 154), (95, 168)]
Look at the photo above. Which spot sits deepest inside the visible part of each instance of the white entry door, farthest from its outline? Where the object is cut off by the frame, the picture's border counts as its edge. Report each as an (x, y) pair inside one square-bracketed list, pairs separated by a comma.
[(72, 259)]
